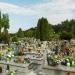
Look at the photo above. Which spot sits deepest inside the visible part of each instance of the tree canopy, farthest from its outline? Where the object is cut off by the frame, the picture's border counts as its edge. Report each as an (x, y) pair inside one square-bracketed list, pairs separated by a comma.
[(44, 30), (4, 24), (20, 33)]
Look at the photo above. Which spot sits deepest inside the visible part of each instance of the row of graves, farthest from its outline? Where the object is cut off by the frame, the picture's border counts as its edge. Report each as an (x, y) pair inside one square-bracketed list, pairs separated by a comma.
[(14, 60), (10, 62), (63, 51), (61, 61), (54, 57), (55, 53)]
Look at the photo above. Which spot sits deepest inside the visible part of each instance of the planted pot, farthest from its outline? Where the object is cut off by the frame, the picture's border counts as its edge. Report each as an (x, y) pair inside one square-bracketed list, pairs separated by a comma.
[(51, 62)]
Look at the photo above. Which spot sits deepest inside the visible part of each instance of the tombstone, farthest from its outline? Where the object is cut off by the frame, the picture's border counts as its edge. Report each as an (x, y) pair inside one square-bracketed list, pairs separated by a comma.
[(58, 70)]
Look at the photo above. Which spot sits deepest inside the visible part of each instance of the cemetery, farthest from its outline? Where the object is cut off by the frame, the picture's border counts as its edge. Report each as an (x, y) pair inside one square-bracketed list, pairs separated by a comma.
[(47, 57), (42, 49)]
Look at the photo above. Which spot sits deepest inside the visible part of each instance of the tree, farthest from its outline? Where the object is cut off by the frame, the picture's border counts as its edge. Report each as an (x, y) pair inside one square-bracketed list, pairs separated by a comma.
[(5, 24), (67, 26), (43, 29), (6, 37), (0, 25), (0, 22), (57, 28), (20, 33), (30, 32), (65, 35), (72, 27), (14, 39)]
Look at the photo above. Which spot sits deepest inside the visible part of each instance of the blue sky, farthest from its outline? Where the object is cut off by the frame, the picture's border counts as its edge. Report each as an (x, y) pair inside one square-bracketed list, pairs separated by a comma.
[(25, 13)]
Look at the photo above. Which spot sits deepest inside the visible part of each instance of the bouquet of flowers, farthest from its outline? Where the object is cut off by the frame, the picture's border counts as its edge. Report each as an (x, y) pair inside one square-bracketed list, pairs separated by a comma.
[(53, 60), (11, 72), (68, 61)]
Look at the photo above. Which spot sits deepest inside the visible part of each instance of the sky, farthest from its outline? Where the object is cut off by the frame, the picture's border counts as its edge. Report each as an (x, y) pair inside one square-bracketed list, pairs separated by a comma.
[(25, 13)]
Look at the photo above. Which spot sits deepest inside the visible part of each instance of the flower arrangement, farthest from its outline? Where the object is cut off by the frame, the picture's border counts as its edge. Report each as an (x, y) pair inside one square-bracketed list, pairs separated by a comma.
[(53, 60), (68, 61), (1, 54), (10, 72)]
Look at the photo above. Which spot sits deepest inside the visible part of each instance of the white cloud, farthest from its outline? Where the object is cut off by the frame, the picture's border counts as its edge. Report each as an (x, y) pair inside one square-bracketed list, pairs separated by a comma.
[(54, 10), (15, 9)]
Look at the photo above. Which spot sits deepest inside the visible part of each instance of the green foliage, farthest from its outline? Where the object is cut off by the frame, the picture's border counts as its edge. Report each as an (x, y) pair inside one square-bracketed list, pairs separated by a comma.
[(20, 33), (14, 39), (0, 26), (30, 32), (66, 29), (65, 35), (5, 21), (5, 37), (0, 23), (57, 28), (44, 30), (10, 72), (53, 60), (1, 54), (4, 24)]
